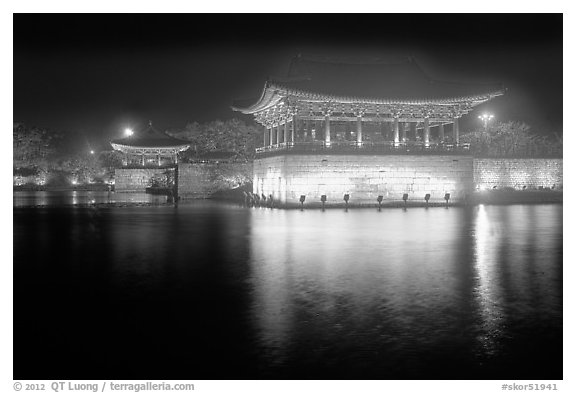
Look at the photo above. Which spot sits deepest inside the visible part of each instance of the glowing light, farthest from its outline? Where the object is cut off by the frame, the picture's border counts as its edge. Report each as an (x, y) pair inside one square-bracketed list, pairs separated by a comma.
[(128, 132), (486, 118), (91, 151)]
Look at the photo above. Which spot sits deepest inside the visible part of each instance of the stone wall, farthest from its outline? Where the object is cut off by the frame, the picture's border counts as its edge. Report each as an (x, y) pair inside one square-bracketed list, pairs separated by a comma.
[(518, 173), (201, 180), (195, 180), (134, 180), (363, 177)]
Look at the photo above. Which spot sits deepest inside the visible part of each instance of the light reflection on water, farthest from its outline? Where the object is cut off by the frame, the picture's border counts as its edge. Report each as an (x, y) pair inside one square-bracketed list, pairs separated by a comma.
[(259, 293), (451, 282), (62, 198)]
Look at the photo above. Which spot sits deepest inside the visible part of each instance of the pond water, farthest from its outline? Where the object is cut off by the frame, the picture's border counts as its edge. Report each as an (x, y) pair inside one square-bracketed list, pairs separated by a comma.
[(65, 198), (216, 291)]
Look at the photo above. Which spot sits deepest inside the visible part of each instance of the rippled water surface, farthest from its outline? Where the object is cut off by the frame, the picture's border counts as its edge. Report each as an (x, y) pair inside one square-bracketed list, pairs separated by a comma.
[(66, 198), (214, 291)]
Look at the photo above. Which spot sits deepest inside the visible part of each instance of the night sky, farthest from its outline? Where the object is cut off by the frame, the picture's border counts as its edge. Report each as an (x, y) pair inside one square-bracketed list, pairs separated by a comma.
[(93, 75)]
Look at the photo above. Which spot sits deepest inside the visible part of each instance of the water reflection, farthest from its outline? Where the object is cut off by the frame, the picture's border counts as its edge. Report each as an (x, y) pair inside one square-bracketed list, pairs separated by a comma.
[(63, 198), (397, 290), (259, 293), (487, 291), (373, 284), (518, 260)]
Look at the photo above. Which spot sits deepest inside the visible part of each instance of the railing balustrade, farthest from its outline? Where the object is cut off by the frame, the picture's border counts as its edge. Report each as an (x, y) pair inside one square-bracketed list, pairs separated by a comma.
[(352, 147)]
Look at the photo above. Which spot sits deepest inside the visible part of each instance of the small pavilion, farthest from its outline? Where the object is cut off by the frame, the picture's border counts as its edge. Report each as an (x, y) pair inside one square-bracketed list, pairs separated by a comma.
[(150, 148)]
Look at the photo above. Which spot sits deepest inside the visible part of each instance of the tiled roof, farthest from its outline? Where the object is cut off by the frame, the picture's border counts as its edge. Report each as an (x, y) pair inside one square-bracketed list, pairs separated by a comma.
[(377, 82), (403, 80)]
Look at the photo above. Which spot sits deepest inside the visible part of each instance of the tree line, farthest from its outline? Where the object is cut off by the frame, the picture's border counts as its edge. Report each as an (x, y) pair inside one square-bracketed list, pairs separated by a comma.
[(44, 153), (512, 139)]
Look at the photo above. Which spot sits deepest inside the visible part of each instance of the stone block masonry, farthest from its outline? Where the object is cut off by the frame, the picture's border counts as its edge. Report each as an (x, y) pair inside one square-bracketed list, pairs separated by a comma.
[(195, 180), (201, 180), (363, 177), (135, 179), (518, 173)]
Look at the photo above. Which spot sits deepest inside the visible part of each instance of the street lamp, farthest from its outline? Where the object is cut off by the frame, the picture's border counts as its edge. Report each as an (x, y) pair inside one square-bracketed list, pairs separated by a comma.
[(486, 117), (128, 132)]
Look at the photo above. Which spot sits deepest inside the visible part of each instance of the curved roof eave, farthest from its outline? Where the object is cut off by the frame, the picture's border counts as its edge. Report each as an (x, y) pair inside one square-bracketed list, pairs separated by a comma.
[(268, 98), (117, 146), (274, 92)]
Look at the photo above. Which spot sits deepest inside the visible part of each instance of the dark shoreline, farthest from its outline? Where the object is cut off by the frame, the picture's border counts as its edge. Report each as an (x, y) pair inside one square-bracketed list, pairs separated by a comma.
[(83, 187), (492, 197)]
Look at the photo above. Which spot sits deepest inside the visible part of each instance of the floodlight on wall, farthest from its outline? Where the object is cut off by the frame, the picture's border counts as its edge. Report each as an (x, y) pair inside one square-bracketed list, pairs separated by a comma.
[(346, 199)]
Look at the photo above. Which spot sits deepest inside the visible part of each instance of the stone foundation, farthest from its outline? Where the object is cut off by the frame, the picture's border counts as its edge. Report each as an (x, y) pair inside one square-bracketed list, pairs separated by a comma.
[(134, 180), (363, 177), (517, 173), (195, 180)]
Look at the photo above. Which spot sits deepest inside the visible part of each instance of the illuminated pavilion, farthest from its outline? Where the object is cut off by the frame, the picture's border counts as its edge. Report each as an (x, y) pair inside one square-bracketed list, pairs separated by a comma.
[(329, 103), (332, 129), (149, 148)]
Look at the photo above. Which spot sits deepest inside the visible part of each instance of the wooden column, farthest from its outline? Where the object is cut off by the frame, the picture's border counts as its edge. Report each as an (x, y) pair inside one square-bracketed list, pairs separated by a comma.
[(266, 136), (456, 130), (142, 159), (285, 133), (278, 134), (327, 130), (274, 135), (158, 158), (405, 126), (293, 131), (396, 132), (426, 132), (441, 132), (359, 130)]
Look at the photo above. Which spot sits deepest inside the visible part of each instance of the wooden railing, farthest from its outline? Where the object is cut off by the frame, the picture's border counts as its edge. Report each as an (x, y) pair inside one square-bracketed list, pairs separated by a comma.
[(339, 147)]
